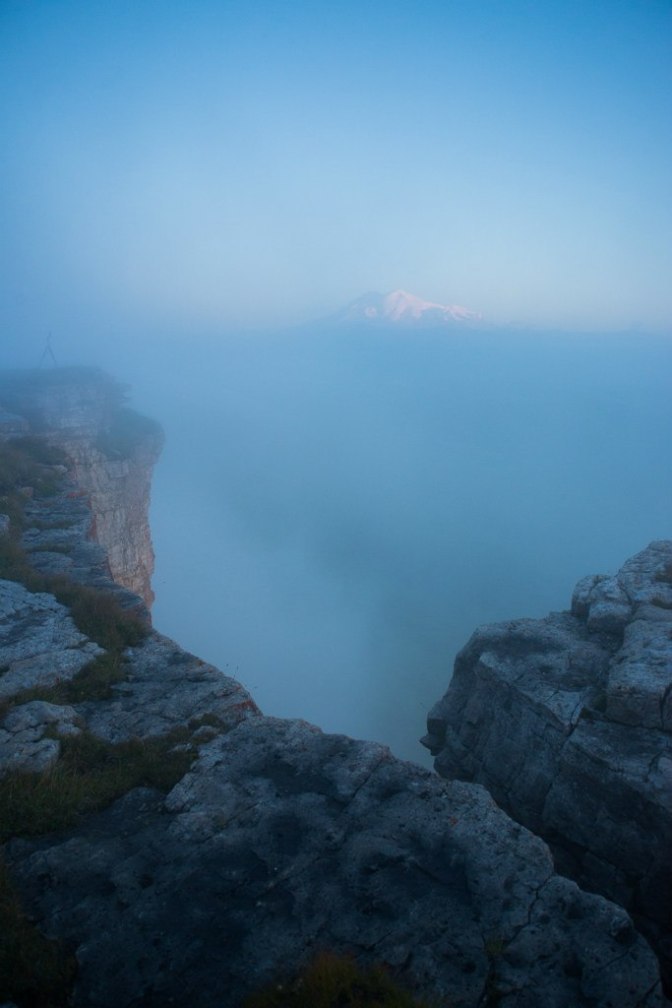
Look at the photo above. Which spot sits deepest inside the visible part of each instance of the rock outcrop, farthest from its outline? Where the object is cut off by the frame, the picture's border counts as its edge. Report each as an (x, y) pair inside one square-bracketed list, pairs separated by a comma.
[(279, 841), (282, 841), (567, 722), (110, 449)]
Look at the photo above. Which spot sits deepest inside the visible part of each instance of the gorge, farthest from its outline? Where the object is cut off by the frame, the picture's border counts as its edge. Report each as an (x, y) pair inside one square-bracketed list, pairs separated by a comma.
[(273, 840)]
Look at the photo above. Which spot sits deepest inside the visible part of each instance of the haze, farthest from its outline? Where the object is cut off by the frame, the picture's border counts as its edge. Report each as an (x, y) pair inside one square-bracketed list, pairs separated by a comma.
[(186, 188)]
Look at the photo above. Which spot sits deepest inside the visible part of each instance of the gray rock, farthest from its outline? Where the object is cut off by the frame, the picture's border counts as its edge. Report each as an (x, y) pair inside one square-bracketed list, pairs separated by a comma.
[(27, 755), (566, 721), (23, 745), (166, 688), (282, 841), (39, 643)]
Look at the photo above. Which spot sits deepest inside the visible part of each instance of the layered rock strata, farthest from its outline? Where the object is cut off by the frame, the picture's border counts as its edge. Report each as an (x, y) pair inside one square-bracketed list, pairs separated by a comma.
[(111, 451), (567, 722)]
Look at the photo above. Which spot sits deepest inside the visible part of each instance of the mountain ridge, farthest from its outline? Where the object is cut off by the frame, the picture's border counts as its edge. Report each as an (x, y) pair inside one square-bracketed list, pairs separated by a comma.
[(400, 307)]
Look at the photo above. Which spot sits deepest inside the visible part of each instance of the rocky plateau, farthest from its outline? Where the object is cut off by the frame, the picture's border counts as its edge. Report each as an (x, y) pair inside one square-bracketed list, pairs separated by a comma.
[(277, 840)]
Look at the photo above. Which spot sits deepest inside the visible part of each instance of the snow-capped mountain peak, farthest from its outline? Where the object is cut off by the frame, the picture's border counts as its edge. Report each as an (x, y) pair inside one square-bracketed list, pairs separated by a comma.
[(401, 307)]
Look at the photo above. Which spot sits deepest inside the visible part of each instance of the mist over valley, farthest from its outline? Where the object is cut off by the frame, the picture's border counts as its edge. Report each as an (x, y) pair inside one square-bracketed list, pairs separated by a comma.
[(336, 510)]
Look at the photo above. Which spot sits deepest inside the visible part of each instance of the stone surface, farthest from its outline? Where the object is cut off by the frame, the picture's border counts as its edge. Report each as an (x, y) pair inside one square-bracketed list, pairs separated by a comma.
[(566, 721), (23, 745), (166, 688), (39, 643), (282, 841)]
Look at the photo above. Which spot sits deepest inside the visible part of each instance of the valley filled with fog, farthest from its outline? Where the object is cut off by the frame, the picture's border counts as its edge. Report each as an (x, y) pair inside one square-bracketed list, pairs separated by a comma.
[(336, 511)]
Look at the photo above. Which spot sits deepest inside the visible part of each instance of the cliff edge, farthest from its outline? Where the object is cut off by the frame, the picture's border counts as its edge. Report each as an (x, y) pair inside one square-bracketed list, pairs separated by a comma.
[(166, 843), (567, 722), (110, 450)]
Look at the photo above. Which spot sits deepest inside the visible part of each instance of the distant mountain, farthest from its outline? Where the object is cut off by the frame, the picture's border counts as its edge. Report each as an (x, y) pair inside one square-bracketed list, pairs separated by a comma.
[(400, 307)]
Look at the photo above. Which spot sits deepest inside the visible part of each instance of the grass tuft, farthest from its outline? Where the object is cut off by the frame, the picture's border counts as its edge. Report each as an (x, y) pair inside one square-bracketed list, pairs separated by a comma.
[(332, 981), (89, 775), (96, 612)]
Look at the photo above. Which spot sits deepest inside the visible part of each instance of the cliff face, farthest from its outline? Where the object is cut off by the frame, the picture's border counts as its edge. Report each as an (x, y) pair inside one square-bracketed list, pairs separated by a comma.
[(238, 845), (111, 451), (567, 722)]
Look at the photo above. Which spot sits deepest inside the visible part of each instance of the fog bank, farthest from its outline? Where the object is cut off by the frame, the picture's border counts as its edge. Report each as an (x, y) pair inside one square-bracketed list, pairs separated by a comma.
[(336, 512)]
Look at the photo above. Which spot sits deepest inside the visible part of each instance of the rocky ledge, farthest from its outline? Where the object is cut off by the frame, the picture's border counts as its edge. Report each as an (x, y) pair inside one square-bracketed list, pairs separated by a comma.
[(567, 722), (238, 845), (110, 450)]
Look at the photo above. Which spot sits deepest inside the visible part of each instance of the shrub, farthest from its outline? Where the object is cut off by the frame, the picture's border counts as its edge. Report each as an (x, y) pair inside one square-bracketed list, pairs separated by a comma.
[(23, 462), (335, 981), (97, 613)]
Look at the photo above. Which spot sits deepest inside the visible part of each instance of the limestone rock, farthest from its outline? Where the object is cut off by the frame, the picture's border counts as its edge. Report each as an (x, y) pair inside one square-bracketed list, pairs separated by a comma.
[(39, 643), (282, 841), (111, 452), (166, 688), (23, 745), (566, 721)]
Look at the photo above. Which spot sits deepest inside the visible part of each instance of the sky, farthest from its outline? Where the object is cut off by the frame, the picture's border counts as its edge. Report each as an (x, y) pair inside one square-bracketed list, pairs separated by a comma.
[(185, 168)]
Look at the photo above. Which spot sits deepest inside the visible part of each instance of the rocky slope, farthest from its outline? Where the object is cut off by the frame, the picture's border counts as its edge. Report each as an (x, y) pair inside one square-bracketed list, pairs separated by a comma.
[(567, 721), (269, 841)]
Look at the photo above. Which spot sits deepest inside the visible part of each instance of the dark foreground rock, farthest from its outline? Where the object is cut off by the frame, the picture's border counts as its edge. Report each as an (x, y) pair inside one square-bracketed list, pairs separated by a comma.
[(282, 841), (566, 721)]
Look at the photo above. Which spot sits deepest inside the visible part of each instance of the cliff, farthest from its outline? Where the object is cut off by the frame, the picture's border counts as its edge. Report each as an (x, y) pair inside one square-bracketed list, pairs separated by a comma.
[(110, 451), (184, 848), (567, 721)]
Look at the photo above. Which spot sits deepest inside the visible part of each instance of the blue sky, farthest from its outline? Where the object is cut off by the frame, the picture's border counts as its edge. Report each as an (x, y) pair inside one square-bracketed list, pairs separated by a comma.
[(203, 165)]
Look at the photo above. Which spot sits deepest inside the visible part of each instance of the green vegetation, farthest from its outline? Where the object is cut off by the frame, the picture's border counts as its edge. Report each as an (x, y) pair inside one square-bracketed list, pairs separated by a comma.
[(26, 462), (29, 461), (93, 682), (89, 775), (335, 981), (96, 612)]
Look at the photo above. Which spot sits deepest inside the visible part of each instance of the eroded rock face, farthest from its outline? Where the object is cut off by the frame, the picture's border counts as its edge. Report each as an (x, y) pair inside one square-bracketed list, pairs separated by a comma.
[(111, 451), (282, 841), (566, 721)]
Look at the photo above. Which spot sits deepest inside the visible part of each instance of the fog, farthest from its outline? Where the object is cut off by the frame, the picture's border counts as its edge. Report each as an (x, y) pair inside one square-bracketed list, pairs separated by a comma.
[(335, 512)]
